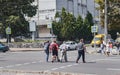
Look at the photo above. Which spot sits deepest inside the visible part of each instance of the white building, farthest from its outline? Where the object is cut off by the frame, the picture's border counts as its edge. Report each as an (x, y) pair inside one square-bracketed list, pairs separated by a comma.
[(47, 9)]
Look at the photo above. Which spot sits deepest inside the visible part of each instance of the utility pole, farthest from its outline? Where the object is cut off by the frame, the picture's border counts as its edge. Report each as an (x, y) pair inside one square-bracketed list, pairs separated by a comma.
[(105, 23)]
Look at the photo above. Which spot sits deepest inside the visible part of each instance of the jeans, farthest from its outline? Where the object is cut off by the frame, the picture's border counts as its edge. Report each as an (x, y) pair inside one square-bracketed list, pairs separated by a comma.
[(81, 52), (47, 55)]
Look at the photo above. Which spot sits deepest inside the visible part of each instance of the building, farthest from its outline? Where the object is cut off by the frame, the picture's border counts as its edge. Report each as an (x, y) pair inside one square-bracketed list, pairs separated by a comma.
[(47, 9)]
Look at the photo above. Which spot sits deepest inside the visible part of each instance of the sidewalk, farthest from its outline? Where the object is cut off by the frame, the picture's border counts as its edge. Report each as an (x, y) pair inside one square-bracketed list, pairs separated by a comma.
[(25, 49)]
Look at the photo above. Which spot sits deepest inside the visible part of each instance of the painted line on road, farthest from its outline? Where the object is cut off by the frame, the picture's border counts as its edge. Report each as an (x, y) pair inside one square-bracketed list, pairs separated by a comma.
[(9, 66), (26, 63), (33, 62), (1, 67), (114, 69), (61, 67), (108, 59), (54, 68), (18, 64)]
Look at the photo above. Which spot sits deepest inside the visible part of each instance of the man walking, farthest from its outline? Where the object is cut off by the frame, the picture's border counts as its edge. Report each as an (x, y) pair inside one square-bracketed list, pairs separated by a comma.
[(63, 53), (54, 49), (46, 49), (81, 51)]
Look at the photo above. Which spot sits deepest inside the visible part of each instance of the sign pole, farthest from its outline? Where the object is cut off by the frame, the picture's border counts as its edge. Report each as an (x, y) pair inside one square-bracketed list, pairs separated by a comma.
[(94, 29), (94, 43), (8, 32), (32, 27), (8, 39), (33, 36)]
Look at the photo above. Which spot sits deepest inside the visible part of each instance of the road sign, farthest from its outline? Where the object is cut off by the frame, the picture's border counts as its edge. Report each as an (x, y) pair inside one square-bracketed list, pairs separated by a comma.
[(49, 25), (94, 29), (8, 30), (32, 26)]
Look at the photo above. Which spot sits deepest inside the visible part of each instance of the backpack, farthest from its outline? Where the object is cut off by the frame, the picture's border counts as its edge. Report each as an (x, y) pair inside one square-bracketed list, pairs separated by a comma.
[(54, 47)]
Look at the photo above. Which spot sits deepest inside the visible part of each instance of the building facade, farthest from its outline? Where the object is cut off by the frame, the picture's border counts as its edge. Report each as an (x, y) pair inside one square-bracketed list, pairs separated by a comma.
[(47, 9)]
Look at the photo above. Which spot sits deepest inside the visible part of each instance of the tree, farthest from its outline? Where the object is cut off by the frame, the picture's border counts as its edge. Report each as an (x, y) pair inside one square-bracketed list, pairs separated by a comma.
[(88, 22), (12, 14), (65, 26), (72, 28), (113, 14)]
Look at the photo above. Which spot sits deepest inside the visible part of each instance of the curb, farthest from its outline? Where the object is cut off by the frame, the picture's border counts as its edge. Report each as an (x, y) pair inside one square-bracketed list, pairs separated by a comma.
[(20, 72), (25, 49)]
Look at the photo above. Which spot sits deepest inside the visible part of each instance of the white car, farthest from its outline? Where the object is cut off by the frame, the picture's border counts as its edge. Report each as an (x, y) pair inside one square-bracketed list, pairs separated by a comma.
[(71, 45)]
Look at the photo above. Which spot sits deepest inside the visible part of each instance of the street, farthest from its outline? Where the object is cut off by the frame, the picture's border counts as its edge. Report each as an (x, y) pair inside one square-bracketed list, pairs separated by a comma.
[(96, 64)]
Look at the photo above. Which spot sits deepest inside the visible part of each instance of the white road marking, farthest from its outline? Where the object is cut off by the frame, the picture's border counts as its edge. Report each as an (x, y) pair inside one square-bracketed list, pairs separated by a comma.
[(18, 64), (47, 70), (69, 65), (54, 69), (26, 63), (10, 66), (1, 67), (107, 59), (114, 69), (62, 67), (33, 62), (75, 64)]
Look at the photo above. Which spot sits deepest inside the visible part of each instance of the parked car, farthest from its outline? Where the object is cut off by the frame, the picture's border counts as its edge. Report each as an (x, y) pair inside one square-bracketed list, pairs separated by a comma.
[(3, 48), (71, 45)]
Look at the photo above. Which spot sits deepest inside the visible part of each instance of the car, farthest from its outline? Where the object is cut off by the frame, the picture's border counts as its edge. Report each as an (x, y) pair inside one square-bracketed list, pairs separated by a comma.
[(71, 45), (97, 40), (3, 48)]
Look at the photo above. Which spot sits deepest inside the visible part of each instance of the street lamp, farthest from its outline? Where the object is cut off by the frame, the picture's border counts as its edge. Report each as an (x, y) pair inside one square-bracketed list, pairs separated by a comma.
[(105, 23)]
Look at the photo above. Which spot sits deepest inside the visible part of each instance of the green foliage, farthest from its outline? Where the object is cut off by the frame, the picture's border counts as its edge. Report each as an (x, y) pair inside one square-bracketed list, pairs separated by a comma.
[(12, 14), (113, 13), (71, 28)]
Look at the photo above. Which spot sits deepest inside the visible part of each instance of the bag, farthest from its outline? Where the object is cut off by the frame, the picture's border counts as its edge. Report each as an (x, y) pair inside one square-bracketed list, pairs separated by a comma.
[(54, 47)]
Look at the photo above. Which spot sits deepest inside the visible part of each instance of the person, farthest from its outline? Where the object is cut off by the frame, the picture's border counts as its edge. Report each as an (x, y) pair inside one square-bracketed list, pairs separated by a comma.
[(81, 51), (46, 49), (107, 49), (110, 47), (63, 52), (102, 47), (118, 47), (54, 49)]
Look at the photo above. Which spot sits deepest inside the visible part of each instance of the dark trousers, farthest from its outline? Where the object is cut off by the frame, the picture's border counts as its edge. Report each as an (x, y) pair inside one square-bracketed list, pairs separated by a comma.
[(81, 52), (47, 55)]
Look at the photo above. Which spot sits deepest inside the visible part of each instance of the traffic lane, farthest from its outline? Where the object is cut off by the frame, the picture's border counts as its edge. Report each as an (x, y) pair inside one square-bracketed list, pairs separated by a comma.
[(42, 65), (12, 58), (89, 67)]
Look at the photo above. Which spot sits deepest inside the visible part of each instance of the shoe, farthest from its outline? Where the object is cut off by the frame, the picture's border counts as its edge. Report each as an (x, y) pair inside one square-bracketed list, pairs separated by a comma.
[(84, 62), (76, 61), (52, 61), (66, 61), (58, 60)]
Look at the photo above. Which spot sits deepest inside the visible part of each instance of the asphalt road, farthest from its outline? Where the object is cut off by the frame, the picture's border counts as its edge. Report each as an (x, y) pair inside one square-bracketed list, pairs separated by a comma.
[(97, 64)]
